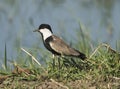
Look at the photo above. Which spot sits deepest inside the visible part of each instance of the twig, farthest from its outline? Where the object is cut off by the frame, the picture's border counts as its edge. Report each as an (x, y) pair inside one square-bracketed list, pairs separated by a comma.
[(94, 51), (109, 48), (59, 84), (104, 45), (19, 69), (117, 78), (33, 58)]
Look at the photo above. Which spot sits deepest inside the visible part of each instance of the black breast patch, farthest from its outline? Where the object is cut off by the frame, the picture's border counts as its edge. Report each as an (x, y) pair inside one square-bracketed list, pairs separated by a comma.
[(47, 45)]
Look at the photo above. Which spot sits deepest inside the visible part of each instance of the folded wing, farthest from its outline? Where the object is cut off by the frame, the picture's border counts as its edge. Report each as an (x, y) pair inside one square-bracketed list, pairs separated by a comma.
[(62, 48)]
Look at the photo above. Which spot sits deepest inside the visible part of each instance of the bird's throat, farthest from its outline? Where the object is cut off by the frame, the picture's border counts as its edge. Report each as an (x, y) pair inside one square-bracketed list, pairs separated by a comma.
[(46, 33)]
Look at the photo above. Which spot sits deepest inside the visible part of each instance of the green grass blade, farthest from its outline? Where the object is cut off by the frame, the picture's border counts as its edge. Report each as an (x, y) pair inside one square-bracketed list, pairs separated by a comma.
[(5, 57), (82, 36)]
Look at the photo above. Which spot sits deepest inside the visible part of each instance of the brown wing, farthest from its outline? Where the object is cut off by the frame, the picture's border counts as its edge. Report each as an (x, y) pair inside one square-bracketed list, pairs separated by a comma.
[(61, 47)]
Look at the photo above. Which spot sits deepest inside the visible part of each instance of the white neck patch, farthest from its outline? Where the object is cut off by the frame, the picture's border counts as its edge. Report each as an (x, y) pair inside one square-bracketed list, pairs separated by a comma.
[(46, 33)]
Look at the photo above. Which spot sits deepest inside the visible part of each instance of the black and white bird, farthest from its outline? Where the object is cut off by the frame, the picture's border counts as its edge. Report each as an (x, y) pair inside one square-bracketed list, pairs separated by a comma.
[(56, 45)]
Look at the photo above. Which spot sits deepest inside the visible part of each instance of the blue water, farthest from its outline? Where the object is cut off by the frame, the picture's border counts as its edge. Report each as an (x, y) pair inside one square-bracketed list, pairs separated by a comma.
[(18, 19)]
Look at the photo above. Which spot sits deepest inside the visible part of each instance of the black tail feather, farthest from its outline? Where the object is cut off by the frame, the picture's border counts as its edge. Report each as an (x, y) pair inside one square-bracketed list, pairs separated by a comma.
[(82, 56)]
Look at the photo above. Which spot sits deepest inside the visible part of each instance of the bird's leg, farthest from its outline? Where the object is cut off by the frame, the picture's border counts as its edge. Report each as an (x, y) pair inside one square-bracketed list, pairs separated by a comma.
[(58, 63), (53, 61), (59, 72)]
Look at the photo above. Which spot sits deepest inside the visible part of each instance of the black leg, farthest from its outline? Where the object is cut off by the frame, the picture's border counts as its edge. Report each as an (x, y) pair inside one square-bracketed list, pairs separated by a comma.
[(59, 64)]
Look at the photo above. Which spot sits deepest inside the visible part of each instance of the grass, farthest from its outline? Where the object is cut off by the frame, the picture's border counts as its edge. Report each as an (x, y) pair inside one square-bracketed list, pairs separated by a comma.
[(5, 57), (100, 71)]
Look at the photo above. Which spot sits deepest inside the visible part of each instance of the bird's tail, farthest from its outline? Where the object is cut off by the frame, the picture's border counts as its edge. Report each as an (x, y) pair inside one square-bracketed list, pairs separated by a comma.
[(82, 56), (78, 54)]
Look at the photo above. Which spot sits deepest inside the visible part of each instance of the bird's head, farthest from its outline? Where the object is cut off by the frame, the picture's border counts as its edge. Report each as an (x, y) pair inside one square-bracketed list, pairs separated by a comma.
[(45, 30)]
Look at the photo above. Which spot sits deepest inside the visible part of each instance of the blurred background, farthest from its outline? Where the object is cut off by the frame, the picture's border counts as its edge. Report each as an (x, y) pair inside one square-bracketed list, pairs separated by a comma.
[(18, 18)]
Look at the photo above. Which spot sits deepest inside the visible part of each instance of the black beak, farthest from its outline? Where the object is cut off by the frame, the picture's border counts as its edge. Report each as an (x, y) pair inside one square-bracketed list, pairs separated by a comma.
[(36, 30)]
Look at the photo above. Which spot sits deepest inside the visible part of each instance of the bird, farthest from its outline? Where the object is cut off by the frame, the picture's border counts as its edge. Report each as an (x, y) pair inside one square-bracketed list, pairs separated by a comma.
[(56, 45)]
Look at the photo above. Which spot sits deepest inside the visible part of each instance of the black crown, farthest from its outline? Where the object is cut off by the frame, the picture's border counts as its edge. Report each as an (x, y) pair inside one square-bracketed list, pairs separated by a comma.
[(42, 26)]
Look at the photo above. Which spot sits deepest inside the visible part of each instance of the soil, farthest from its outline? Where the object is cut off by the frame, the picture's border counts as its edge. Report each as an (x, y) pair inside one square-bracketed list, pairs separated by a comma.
[(16, 81), (10, 82)]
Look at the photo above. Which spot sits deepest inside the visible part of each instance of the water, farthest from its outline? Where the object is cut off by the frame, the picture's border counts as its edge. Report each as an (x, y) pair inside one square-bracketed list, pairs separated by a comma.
[(18, 19)]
